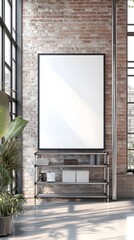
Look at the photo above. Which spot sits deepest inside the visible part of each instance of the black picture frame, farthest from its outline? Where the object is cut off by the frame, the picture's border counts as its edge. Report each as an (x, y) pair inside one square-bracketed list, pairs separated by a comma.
[(71, 97)]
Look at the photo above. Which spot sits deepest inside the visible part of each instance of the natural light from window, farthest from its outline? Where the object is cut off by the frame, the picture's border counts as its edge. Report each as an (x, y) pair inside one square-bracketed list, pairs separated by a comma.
[(130, 82)]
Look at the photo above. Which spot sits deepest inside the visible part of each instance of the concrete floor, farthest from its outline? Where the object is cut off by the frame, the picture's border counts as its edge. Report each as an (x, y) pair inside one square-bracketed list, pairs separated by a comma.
[(75, 220)]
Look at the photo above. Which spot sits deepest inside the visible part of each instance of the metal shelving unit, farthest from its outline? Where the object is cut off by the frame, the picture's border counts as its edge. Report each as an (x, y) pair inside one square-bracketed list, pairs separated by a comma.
[(104, 181)]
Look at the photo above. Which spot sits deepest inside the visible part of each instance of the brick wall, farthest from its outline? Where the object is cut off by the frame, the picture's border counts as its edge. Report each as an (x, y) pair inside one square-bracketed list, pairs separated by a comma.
[(71, 26)]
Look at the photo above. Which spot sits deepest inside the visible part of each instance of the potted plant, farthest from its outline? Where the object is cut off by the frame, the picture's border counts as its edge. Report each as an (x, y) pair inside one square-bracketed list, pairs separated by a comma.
[(10, 148), (10, 204)]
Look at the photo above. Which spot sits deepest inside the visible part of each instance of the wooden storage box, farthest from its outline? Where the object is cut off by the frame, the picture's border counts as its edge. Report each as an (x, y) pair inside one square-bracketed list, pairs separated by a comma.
[(70, 162)]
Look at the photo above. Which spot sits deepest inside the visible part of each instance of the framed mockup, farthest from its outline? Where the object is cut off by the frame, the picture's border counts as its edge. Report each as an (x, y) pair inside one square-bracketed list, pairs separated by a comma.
[(71, 101)]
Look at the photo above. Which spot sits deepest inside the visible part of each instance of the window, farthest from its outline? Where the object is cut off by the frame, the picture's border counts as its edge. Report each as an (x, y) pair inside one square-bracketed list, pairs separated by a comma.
[(130, 82), (10, 58), (8, 51), (14, 19), (0, 8), (8, 14)]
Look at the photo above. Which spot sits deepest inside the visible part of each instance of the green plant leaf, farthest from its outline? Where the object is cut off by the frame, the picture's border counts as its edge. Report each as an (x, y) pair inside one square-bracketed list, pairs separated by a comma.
[(5, 177), (10, 157), (15, 128), (11, 204), (4, 113)]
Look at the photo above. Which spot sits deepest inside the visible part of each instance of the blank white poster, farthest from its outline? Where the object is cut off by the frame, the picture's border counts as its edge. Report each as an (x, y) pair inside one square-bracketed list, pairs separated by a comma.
[(71, 101)]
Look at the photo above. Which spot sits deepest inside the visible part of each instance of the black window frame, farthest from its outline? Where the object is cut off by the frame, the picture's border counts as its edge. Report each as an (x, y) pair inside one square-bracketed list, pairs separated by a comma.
[(130, 104), (15, 88)]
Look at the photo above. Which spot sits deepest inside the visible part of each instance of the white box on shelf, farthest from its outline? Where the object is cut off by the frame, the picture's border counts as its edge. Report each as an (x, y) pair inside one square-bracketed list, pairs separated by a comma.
[(42, 161), (51, 177), (82, 176), (68, 176)]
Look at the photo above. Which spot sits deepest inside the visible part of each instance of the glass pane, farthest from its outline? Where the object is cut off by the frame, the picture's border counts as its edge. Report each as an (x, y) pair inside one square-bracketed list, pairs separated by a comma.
[(14, 19), (0, 8), (130, 28), (130, 71), (13, 108), (131, 159), (131, 48), (7, 50), (130, 141), (8, 15), (14, 80), (130, 89), (14, 14), (0, 58), (131, 118), (131, 124), (13, 116), (7, 81), (13, 52), (14, 34), (130, 11), (131, 64)]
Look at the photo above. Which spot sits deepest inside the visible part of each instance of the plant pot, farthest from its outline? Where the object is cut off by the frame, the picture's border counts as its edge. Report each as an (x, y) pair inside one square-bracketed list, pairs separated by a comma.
[(6, 225)]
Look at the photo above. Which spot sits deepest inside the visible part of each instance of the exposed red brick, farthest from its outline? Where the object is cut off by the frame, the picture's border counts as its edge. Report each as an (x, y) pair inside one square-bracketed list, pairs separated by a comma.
[(72, 26)]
